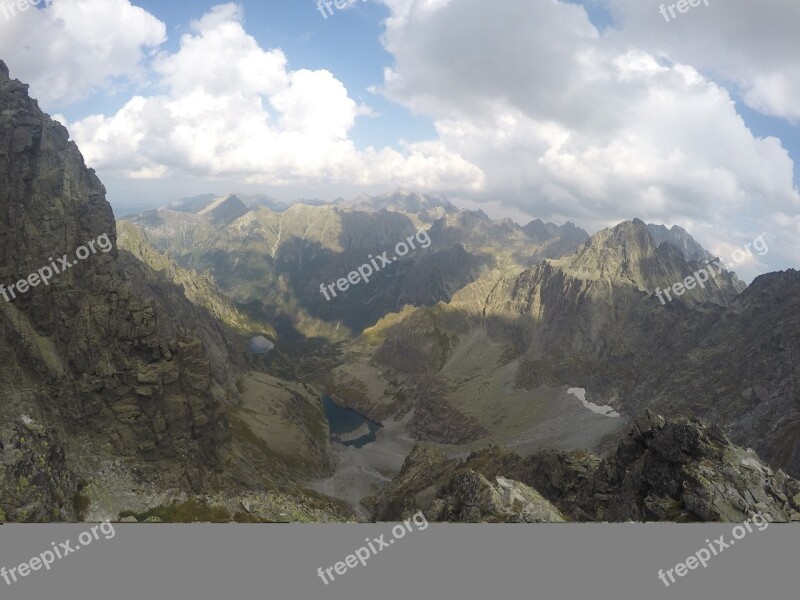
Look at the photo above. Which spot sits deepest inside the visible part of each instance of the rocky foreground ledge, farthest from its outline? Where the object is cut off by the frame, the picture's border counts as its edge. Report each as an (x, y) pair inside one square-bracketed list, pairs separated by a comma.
[(664, 470)]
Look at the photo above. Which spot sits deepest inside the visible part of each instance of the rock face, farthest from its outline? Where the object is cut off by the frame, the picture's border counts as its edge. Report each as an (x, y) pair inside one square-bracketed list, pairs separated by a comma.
[(593, 320), (279, 258), (190, 301), (436, 420), (126, 382), (680, 238), (106, 367), (37, 485), (664, 470), (692, 251), (685, 470), (446, 491), (472, 498)]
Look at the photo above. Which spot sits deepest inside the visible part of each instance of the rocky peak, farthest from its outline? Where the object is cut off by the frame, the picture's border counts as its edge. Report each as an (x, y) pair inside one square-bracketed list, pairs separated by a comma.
[(404, 201), (225, 209), (628, 254), (687, 469), (446, 490), (621, 252), (681, 239), (88, 356), (662, 470)]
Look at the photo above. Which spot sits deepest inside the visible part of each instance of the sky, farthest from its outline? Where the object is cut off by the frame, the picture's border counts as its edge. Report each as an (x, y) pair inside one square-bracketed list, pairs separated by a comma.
[(592, 111)]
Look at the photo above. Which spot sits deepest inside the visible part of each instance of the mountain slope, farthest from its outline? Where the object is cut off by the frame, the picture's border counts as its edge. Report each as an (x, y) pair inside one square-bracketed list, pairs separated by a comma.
[(680, 238), (117, 392), (500, 357), (86, 355), (224, 210), (664, 470), (276, 261), (422, 209)]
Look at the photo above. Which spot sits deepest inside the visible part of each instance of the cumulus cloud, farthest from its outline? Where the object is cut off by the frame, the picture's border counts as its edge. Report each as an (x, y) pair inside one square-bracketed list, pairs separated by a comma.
[(235, 110), (753, 46), (567, 122), (535, 109), (66, 49)]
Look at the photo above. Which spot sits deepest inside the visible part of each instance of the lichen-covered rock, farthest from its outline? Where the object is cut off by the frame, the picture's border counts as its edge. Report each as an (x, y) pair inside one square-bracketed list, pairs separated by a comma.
[(684, 469), (663, 470), (91, 356), (35, 484), (472, 498), (425, 471), (446, 491)]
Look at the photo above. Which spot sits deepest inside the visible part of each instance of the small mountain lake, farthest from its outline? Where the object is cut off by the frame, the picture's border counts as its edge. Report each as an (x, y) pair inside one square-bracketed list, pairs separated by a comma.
[(349, 427)]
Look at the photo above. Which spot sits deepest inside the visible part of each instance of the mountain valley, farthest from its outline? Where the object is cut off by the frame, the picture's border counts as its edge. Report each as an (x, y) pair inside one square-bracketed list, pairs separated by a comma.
[(503, 373)]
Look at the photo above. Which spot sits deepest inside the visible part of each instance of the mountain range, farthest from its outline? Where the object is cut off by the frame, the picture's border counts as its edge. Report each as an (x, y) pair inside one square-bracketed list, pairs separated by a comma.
[(503, 372)]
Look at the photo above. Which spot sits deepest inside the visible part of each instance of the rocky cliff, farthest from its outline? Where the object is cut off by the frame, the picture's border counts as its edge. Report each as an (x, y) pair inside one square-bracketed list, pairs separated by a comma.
[(120, 378), (493, 355), (86, 354), (662, 470)]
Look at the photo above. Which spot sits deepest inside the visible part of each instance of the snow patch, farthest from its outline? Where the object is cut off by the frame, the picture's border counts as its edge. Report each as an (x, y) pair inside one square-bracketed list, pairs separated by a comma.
[(261, 345), (580, 394)]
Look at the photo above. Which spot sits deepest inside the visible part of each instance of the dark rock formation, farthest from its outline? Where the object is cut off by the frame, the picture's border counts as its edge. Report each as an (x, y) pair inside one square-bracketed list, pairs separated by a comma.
[(445, 490), (664, 470), (89, 355), (37, 485), (685, 470)]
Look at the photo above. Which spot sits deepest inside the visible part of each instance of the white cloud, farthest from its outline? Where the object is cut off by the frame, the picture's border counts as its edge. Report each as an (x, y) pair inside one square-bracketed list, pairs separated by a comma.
[(219, 57), (534, 109), (752, 45), (70, 48), (566, 123), (234, 110)]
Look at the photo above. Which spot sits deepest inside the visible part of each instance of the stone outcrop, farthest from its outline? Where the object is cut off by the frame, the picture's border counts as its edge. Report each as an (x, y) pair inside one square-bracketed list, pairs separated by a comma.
[(593, 320), (685, 470), (472, 498), (663, 470), (37, 485), (89, 356), (446, 490)]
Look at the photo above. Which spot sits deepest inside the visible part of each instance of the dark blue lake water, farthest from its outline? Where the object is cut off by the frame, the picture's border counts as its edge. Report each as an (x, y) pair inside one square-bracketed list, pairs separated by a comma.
[(344, 420)]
